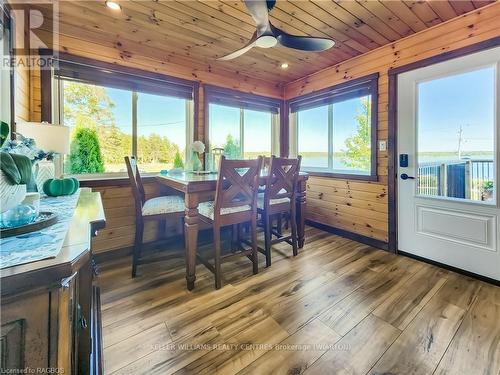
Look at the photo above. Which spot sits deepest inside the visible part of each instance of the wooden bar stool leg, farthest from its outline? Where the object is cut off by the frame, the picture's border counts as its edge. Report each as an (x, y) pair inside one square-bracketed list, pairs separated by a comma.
[(217, 258), (293, 222), (279, 224), (255, 259), (267, 237), (139, 230)]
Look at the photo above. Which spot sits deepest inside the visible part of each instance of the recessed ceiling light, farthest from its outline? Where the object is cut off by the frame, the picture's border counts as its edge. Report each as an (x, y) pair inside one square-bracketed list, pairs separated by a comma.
[(113, 5), (284, 66)]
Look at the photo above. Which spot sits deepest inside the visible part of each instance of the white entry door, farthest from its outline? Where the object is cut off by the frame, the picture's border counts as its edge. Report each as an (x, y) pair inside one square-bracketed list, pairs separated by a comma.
[(448, 131)]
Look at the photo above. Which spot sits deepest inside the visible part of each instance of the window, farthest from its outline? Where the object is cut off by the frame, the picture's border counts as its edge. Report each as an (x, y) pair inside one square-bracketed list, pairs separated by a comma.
[(112, 115), (334, 130), (245, 126), (455, 125)]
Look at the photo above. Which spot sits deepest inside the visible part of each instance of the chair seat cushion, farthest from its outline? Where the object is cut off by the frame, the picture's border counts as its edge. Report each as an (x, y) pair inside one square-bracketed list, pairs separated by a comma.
[(260, 201), (163, 205), (207, 209)]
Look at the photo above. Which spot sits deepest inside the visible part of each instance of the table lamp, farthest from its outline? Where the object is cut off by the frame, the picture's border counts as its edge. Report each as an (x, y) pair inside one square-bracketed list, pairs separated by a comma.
[(49, 138)]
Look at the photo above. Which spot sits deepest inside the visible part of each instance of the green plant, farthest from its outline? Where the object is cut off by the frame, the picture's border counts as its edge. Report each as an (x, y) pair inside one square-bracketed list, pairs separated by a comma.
[(358, 153), (4, 132), (85, 155), (488, 185), (232, 148), (178, 163)]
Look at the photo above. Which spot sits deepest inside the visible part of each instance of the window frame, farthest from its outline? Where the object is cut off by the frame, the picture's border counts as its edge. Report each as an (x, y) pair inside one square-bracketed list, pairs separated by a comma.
[(136, 81), (237, 99), (364, 86)]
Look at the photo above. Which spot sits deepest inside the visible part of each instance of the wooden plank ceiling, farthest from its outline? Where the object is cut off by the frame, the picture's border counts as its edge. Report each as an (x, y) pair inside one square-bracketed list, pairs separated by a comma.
[(194, 33)]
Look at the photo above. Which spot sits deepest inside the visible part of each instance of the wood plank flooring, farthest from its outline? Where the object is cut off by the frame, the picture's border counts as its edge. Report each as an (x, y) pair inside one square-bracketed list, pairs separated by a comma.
[(339, 307)]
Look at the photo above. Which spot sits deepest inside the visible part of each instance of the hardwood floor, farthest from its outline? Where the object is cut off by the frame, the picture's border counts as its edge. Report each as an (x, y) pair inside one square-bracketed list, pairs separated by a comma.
[(339, 307)]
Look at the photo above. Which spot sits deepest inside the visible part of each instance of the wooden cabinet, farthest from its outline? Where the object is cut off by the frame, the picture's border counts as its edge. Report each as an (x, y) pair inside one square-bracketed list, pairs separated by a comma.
[(50, 320)]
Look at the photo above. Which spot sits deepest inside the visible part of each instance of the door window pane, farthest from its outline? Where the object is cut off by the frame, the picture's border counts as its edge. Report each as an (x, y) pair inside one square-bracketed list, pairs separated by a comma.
[(161, 132), (456, 132), (352, 136), (225, 130), (257, 134), (312, 135), (100, 119)]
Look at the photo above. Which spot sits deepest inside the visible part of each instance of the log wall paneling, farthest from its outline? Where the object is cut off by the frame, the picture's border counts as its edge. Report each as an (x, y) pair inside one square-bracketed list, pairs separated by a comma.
[(361, 207)]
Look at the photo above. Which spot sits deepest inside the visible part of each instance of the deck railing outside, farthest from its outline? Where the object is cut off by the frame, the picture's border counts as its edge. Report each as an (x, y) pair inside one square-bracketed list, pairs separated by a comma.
[(461, 179)]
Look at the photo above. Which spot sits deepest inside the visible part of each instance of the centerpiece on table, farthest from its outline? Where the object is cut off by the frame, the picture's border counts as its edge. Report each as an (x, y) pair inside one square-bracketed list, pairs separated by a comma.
[(194, 163)]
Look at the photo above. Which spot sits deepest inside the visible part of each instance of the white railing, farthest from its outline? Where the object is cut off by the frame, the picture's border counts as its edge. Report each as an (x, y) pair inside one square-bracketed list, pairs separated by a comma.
[(434, 178)]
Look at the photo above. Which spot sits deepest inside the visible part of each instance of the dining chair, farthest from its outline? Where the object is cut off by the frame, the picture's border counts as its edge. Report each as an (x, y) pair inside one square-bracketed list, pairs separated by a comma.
[(277, 200), (235, 203), (160, 209)]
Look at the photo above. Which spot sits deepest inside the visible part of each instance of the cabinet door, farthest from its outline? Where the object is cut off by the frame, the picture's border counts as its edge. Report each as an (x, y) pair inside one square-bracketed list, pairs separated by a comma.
[(23, 339)]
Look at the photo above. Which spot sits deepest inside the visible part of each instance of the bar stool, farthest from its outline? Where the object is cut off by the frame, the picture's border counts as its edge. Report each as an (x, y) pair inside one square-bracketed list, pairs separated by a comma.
[(277, 200), (159, 208), (235, 203)]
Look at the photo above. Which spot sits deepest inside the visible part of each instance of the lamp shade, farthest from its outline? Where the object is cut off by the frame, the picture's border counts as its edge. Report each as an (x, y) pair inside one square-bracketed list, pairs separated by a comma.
[(47, 137)]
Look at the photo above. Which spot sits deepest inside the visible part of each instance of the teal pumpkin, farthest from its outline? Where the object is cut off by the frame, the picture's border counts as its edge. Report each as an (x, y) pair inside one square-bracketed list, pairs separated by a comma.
[(55, 187)]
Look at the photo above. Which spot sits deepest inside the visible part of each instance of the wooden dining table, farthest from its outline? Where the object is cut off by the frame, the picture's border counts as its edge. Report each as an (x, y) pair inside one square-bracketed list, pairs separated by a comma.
[(199, 188)]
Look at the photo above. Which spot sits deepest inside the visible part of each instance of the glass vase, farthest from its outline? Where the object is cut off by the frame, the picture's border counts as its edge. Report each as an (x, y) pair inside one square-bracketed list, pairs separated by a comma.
[(194, 163)]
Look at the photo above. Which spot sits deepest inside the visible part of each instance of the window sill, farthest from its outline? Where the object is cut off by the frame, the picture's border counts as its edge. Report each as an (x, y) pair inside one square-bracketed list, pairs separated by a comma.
[(341, 176)]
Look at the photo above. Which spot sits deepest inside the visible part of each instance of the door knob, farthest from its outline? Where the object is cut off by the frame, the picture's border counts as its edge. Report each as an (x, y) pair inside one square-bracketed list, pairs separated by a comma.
[(404, 176)]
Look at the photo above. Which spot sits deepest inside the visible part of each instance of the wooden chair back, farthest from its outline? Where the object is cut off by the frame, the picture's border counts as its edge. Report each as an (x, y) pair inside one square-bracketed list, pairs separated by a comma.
[(135, 183), (281, 181), (237, 184)]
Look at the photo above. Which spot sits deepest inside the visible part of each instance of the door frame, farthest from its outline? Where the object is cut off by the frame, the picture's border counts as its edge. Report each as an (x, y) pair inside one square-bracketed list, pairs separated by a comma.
[(393, 125)]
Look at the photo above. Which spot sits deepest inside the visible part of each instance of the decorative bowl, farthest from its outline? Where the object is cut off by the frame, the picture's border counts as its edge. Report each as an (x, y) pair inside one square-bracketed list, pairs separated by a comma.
[(22, 214)]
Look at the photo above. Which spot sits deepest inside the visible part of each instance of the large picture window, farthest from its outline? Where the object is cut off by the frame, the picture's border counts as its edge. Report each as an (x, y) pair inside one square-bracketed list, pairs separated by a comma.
[(243, 125), (335, 130), (111, 117)]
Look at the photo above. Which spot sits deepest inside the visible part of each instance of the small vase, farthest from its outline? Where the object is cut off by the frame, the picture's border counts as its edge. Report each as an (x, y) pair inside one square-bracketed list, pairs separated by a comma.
[(194, 163), (44, 170)]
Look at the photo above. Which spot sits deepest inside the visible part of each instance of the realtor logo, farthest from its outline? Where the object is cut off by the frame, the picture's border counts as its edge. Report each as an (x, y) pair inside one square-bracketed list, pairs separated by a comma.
[(33, 31)]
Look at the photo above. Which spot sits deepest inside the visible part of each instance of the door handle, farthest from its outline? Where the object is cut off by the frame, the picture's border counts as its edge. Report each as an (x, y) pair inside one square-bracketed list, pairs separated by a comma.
[(404, 176)]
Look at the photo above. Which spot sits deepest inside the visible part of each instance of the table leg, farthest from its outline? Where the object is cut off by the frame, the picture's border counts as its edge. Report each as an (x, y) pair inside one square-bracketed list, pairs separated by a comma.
[(301, 213), (191, 237)]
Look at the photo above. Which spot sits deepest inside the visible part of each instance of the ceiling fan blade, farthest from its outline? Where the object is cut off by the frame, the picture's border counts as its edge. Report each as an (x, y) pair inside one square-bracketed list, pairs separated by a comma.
[(260, 14), (241, 51), (303, 43)]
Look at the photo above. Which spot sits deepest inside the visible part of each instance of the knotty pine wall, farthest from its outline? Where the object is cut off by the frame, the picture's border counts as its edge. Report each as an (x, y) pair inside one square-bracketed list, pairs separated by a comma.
[(361, 207)]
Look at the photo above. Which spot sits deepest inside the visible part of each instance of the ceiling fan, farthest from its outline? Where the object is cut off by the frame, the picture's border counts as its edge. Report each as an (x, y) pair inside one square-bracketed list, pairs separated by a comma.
[(267, 36)]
